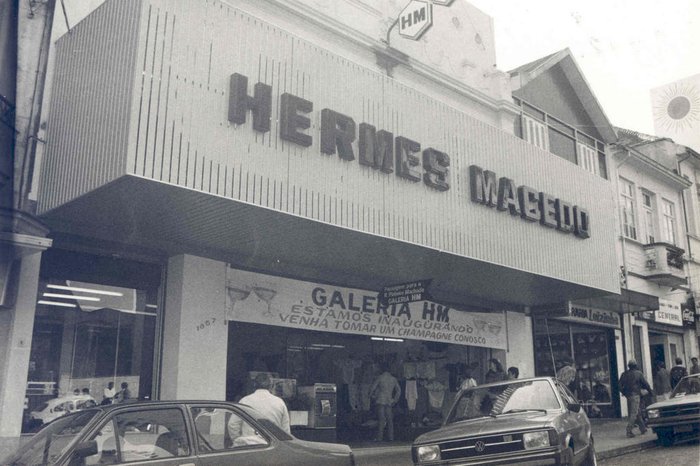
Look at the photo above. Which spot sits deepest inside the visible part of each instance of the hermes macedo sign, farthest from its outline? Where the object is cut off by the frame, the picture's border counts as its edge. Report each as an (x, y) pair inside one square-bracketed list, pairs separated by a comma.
[(380, 150), (529, 204), (376, 149)]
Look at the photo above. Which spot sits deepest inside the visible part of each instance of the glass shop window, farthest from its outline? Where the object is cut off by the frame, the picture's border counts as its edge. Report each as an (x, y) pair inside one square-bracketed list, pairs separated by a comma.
[(95, 324)]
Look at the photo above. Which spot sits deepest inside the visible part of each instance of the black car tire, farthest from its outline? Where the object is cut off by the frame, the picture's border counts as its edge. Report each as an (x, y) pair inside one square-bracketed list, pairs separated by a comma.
[(568, 457), (590, 459), (665, 437)]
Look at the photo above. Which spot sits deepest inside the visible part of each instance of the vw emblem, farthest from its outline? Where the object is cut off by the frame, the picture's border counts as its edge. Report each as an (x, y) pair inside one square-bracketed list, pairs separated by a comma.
[(479, 446)]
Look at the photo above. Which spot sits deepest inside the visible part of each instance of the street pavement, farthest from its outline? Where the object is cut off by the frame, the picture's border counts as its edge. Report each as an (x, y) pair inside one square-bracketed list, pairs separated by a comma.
[(687, 454), (609, 435)]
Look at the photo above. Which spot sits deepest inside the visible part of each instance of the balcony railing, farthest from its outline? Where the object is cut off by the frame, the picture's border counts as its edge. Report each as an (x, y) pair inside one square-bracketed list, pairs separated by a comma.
[(664, 264)]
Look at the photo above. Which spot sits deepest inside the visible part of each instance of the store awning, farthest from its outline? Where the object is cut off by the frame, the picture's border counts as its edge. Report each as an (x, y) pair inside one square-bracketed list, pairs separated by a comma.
[(136, 214), (626, 301)]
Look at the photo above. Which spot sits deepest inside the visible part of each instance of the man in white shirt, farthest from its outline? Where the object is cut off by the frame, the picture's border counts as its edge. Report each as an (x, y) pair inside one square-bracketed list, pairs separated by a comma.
[(266, 404)]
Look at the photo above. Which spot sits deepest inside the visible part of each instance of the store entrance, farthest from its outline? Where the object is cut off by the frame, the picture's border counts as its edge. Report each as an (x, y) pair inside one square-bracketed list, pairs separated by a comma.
[(429, 375)]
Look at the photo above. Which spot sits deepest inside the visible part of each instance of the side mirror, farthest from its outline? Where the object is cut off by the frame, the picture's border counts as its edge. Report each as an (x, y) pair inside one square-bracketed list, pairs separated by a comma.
[(574, 407), (85, 449)]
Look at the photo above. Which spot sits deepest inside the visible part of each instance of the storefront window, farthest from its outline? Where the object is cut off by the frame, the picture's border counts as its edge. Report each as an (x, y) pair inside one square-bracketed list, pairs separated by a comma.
[(95, 324), (429, 375), (580, 356)]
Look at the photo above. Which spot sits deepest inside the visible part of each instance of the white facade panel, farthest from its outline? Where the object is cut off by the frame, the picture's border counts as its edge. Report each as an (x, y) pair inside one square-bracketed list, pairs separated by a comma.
[(180, 134)]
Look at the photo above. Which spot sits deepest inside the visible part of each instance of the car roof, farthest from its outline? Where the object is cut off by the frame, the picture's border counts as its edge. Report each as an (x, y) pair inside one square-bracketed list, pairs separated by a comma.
[(157, 403), (509, 381)]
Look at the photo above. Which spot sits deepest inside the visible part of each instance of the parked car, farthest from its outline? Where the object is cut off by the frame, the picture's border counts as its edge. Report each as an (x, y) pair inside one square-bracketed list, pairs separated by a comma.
[(203, 433), (61, 406), (679, 416), (533, 421)]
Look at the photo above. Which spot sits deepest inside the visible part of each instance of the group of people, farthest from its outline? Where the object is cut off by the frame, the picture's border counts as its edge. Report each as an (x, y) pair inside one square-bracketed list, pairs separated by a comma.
[(635, 388), (111, 395)]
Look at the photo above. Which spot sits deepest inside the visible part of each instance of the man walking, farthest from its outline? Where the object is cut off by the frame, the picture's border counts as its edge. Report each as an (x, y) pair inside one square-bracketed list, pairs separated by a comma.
[(678, 372), (632, 383), (386, 392), (271, 407)]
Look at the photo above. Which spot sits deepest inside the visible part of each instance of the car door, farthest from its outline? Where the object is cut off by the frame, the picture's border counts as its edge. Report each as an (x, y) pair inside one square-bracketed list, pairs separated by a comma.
[(575, 423), (151, 435), (224, 435)]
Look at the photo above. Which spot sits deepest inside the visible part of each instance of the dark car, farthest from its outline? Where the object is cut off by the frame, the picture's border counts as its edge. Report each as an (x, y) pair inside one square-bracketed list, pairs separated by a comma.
[(524, 421), (679, 416), (186, 433)]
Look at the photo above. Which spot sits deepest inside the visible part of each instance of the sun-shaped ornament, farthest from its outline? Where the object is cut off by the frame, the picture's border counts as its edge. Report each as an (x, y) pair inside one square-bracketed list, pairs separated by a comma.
[(677, 107)]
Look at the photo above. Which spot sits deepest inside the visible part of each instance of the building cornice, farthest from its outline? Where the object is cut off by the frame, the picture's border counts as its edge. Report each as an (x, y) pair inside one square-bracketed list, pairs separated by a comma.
[(424, 71), (669, 175)]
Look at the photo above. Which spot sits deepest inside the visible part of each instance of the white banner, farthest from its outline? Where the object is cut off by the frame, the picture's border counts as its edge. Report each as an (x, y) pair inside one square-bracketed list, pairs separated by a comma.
[(270, 300)]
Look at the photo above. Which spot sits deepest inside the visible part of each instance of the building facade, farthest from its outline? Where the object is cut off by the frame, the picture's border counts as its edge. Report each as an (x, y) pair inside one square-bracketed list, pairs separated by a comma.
[(658, 205), (230, 187)]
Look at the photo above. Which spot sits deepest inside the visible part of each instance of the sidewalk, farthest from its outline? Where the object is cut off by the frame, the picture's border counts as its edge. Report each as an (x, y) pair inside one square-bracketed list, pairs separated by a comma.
[(609, 435)]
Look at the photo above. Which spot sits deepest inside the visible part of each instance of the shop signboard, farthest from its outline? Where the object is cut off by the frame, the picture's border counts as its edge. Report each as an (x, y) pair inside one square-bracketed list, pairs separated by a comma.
[(669, 313), (405, 293), (270, 300), (415, 19), (590, 315)]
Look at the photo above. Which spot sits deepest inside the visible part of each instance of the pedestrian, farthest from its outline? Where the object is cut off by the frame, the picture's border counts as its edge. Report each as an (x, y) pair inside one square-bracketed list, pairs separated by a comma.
[(567, 374), (269, 406), (633, 386), (495, 372), (678, 372), (108, 394), (124, 395), (513, 373), (662, 382), (695, 368), (385, 391), (468, 380)]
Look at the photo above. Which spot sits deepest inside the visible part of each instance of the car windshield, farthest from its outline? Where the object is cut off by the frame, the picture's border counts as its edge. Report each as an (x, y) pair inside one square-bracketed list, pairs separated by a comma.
[(496, 400), (47, 446), (689, 385)]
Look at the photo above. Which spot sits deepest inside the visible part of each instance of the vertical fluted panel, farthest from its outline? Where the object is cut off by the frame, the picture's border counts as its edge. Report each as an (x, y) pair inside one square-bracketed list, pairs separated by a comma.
[(180, 134), (89, 124)]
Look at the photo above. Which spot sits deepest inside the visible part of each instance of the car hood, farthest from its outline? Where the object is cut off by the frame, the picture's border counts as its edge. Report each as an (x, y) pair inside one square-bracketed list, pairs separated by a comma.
[(679, 400), (329, 448), (487, 426)]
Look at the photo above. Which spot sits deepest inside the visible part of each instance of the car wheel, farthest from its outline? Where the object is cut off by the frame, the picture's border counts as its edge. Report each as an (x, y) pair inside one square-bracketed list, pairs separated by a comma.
[(665, 437), (590, 459), (568, 457)]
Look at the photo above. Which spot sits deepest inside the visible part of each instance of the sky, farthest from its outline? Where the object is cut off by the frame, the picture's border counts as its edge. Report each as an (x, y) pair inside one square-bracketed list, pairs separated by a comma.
[(624, 47)]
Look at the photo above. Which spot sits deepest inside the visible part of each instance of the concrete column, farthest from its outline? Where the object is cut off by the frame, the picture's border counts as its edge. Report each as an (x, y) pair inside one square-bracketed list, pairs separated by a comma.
[(521, 347), (195, 334), (16, 327)]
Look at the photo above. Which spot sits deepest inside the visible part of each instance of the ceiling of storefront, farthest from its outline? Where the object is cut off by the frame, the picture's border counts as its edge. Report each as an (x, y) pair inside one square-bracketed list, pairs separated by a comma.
[(139, 214)]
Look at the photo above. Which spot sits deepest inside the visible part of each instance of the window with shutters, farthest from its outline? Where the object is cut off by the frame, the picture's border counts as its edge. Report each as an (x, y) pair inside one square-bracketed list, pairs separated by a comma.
[(629, 222), (668, 221), (588, 158), (649, 216)]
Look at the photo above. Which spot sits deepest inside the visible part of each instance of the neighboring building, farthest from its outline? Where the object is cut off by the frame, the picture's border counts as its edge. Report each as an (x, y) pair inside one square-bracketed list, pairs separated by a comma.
[(560, 114), (660, 209), (229, 186)]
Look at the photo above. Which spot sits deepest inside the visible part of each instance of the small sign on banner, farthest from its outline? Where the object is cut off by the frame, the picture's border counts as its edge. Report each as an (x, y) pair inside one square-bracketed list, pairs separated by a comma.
[(405, 293)]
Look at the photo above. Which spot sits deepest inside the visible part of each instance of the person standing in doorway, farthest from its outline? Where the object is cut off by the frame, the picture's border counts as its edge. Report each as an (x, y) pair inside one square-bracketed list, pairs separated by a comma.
[(633, 385), (386, 392), (694, 368), (678, 372), (270, 406), (662, 382), (495, 372)]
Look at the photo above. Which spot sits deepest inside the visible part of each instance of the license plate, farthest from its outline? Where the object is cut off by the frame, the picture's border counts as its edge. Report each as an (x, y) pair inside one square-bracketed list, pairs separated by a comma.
[(680, 429)]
